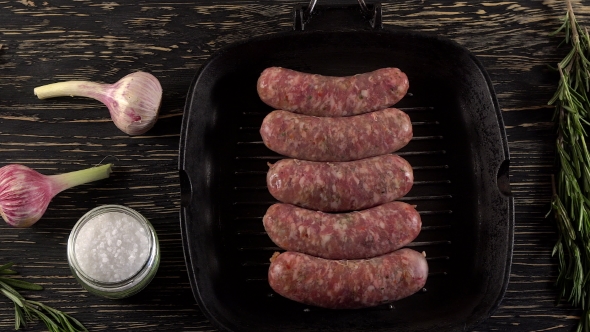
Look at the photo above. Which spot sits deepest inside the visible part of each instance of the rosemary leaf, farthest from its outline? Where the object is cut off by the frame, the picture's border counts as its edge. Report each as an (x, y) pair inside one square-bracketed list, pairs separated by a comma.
[(5, 269), (14, 298), (20, 320), (6, 266), (68, 322), (49, 323), (20, 284), (8, 288)]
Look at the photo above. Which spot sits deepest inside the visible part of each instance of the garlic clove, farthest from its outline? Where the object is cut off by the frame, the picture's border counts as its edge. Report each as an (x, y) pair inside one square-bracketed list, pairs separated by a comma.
[(133, 101), (25, 193)]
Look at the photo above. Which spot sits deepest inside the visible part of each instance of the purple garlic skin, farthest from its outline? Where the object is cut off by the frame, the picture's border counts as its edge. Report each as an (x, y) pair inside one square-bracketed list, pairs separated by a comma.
[(24, 195), (134, 102)]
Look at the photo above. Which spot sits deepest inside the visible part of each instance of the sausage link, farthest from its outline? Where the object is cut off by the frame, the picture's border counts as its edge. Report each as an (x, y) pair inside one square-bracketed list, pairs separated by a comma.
[(319, 95), (355, 235), (348, 284), (340, 186), (336, 139)]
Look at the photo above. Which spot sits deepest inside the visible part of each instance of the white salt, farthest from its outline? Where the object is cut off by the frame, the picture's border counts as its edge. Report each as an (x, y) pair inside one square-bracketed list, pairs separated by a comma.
[(112, 247)]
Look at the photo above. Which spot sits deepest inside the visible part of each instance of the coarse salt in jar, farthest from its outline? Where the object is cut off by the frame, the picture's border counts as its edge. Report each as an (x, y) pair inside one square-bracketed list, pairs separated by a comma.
[(113, 251)]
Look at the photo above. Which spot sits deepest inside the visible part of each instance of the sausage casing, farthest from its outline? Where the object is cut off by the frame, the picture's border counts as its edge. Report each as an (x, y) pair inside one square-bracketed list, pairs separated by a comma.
[(319, 95), (354, 235), (336, 139), (348, 284), (340, 186)]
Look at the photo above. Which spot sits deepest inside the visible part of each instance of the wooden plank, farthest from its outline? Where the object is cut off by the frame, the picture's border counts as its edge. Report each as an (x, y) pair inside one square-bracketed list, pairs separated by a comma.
[(55, 40)]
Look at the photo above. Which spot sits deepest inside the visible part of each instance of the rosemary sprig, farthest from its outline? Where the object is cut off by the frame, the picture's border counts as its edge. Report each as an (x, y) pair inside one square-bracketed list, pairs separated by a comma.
[(571, 186), (26, 311)]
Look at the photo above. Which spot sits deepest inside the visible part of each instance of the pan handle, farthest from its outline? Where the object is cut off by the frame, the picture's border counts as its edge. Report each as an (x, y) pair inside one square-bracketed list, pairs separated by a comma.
[(368, 12)]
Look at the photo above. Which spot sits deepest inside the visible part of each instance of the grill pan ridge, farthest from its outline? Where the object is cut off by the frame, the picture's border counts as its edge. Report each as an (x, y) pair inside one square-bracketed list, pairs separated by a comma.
[(459, 154)]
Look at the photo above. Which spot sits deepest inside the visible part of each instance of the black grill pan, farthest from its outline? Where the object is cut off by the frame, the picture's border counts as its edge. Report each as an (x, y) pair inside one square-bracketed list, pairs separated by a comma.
[(459, 154)]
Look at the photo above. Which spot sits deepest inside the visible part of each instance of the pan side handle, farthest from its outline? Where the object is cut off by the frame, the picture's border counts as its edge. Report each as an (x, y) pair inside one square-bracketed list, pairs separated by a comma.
[(371, 13), (503, 178), (186, 188)]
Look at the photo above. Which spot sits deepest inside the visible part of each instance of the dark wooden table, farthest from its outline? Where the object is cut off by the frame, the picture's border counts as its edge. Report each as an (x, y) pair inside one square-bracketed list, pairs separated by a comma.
[(45, 41)]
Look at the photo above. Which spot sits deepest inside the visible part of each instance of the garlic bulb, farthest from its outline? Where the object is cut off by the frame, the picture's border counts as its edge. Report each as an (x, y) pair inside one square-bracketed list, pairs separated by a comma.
[(133, 101), (26, 193)]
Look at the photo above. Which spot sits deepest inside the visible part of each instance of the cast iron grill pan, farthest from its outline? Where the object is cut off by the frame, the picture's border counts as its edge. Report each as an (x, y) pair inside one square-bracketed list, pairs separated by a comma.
[(458, 153)]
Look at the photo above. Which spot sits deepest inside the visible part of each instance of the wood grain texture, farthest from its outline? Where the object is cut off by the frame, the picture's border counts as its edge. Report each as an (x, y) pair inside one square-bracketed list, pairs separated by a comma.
[(45, 41)]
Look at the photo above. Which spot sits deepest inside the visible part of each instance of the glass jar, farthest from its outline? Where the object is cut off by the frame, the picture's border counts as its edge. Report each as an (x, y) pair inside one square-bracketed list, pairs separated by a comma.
[(113, 251)]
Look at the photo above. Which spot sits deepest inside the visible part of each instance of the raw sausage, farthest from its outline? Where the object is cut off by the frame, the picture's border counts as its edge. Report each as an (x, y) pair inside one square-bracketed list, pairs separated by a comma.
[(355, 235), (319, 95), (336, 139), (340, 186), (348, 284)]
